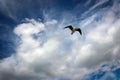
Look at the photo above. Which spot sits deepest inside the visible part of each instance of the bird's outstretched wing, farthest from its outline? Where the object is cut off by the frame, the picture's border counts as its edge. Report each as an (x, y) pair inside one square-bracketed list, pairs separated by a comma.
[(70, 27), (78, 29)]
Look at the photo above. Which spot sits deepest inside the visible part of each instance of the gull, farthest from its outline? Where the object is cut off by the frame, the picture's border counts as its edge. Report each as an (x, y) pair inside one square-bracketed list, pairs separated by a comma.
[(73, 29)]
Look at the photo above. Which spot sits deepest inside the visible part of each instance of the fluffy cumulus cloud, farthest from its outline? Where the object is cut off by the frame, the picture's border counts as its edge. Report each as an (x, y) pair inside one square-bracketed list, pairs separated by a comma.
[(47, 52), (101, 41), (32, 57)]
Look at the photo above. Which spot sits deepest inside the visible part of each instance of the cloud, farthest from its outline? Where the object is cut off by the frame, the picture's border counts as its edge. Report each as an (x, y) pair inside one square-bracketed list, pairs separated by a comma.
[(109, 75), (101, 42), (17, 10), (88, 2), (52, 22), (49, 52), (94, 7), (33, 60)]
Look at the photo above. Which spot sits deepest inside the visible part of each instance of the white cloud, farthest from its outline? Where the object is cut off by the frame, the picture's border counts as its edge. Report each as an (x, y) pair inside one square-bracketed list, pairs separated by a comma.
[(31, 58), (109, 75), (62, 54), (101, 43), (51, 22), (98, 3)]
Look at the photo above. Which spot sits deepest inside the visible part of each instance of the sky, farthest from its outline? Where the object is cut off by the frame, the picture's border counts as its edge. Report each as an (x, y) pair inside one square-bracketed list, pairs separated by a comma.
[(34, 45)]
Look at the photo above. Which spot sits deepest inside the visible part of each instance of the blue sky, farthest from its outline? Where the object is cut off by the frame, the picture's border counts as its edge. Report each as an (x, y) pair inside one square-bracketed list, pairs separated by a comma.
[(34, 45)]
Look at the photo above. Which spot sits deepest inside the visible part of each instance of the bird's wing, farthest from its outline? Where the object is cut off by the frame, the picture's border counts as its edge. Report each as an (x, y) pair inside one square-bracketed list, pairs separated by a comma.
[(70, 27), (78, 29)]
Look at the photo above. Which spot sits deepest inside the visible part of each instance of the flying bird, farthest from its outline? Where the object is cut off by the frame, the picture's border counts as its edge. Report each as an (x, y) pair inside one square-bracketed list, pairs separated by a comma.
[(73, 29)]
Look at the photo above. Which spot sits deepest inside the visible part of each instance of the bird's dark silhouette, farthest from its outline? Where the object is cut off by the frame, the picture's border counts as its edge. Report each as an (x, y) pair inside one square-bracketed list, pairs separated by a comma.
[(73, 29)]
